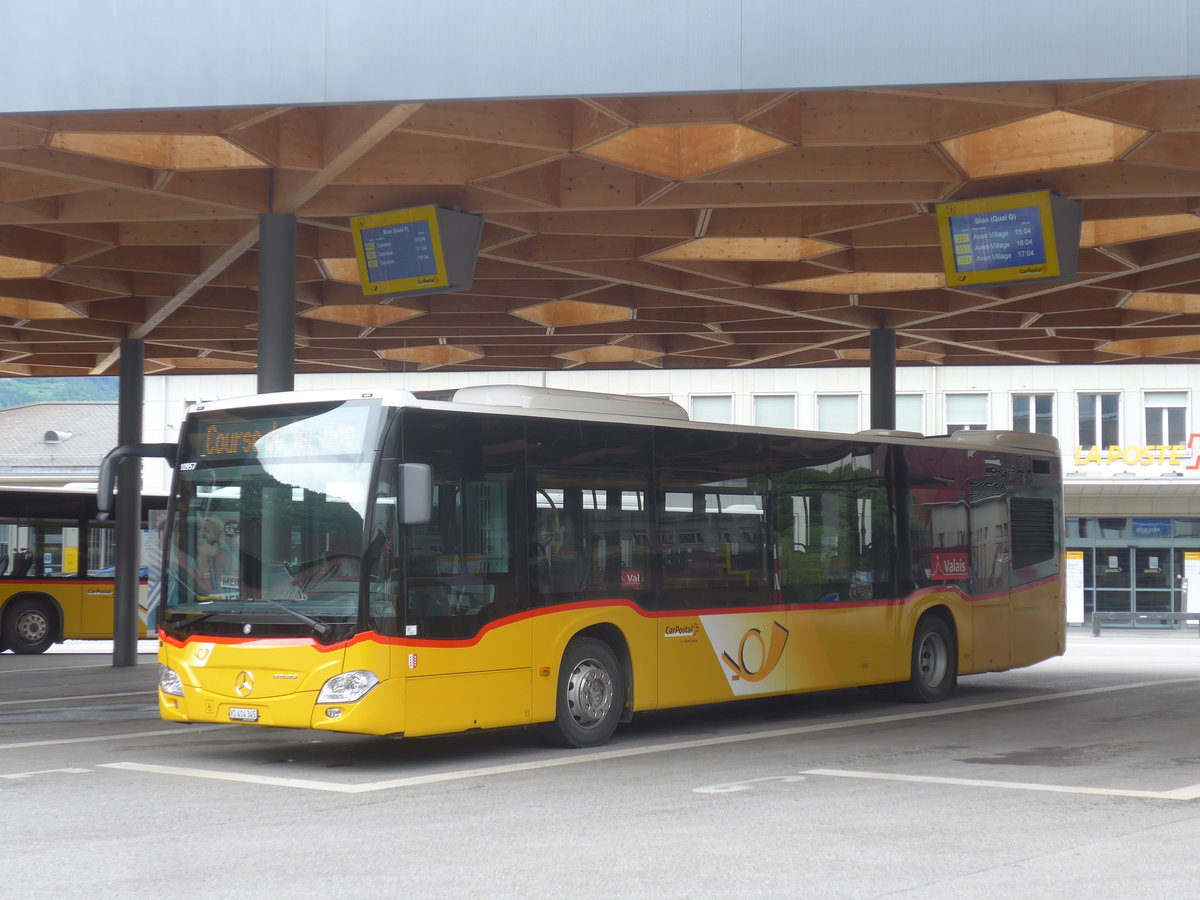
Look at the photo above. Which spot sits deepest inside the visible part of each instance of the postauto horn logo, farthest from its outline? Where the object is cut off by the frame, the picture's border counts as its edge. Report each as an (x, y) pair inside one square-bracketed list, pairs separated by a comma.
[(763, 656)]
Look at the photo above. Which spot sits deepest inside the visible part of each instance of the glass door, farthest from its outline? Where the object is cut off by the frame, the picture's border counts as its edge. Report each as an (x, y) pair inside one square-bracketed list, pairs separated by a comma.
[(1154, 580), (1114, 579)]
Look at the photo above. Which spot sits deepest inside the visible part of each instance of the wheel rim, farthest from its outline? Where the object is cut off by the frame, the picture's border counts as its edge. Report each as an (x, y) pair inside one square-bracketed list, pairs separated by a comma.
[(933, 659), (589, 693), (32, 627)]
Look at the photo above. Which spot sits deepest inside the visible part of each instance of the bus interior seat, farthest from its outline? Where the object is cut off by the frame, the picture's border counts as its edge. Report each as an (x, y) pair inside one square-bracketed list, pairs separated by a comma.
[(21, 566)]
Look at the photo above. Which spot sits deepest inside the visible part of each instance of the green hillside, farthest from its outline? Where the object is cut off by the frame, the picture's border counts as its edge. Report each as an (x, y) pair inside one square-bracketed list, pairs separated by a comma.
[(17, 391)]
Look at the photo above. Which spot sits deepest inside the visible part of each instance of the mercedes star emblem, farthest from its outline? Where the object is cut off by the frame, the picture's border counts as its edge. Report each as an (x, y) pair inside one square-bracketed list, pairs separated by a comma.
[(243, 684)]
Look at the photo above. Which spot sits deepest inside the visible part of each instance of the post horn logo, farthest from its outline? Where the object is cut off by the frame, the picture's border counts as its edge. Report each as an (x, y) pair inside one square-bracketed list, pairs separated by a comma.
[(243, 684), (769, 655)]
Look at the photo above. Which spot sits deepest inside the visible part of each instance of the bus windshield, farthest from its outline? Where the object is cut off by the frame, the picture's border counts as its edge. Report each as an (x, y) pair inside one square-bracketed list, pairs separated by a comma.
[(268, 524)]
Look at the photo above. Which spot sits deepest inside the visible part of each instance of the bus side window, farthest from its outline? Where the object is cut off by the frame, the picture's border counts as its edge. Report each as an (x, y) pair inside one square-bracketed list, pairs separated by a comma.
[(590, 537), (833, 531), (812, 533), (938, 533), (459, 571), (712, 546)]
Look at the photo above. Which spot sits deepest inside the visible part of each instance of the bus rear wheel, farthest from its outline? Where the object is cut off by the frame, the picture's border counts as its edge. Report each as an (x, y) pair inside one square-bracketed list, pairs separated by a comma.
[(934, 662), (28, 626), (591, 694)]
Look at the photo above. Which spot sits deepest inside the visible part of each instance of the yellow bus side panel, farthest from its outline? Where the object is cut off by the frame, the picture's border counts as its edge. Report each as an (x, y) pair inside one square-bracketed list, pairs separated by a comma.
[(483, 683), (96, 609), (690, 669), (990, 629), (443, 704), (1039, 624), (86, 606), (845, 647)]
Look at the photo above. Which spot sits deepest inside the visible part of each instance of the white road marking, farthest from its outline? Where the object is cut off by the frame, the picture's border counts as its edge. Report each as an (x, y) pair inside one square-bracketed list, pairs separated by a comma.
[(51, 669), (148, 694), (623, 752), (1187, 793), (302, 783), (15, 775), (127, 736), (746, 785)]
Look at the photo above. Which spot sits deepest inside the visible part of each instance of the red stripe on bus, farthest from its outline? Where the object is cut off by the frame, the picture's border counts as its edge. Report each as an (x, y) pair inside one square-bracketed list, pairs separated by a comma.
[(618, 602)]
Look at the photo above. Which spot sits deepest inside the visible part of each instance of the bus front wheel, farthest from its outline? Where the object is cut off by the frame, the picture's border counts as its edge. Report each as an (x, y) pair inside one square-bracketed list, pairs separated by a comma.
[(591, 694), (934, 662), (28, 626)]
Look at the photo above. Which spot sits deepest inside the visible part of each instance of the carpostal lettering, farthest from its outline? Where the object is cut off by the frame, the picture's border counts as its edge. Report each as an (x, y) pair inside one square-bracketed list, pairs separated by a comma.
[(681, 630)]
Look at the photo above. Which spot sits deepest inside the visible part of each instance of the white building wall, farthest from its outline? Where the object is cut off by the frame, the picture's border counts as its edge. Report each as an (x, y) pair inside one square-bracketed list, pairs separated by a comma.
[(140, 54)]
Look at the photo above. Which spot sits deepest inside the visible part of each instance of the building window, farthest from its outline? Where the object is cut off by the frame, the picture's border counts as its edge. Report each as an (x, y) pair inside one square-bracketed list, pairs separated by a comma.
[(775, 411), (713, 409), (1033, 413), (1099, 420), (966, 412), (910, 412), (837, 412), (1166, 415)]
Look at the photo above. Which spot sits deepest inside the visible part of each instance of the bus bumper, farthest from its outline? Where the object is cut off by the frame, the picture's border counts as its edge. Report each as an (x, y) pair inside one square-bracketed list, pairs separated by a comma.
[(380, 711)]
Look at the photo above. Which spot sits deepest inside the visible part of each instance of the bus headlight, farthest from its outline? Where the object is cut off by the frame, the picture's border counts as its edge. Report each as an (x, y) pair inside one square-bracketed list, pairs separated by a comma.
[(347, 687), (169, 681)]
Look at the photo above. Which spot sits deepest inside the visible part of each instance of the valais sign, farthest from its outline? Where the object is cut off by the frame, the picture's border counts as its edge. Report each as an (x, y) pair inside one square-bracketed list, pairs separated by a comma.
[(948, 566)]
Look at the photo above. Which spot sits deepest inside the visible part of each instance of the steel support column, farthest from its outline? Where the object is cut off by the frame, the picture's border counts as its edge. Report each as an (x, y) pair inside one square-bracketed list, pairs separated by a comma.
[(883, 378), (276, 302), (130, 397)]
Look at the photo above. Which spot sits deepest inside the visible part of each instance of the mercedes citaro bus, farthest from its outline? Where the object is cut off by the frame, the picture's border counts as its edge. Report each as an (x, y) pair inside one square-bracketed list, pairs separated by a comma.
[(425, 563)]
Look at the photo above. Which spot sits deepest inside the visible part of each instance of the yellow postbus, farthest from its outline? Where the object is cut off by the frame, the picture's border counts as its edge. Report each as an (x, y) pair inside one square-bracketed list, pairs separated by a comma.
[(56, 567), (415, 564)]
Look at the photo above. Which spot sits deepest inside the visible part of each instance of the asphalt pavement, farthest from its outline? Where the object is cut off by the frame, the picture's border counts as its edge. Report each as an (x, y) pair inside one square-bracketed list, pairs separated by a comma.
[(1078, 777)]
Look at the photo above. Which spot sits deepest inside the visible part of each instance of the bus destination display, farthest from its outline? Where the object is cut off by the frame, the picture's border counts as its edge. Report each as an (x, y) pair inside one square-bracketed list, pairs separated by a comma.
[(234, 440), (337, 433)]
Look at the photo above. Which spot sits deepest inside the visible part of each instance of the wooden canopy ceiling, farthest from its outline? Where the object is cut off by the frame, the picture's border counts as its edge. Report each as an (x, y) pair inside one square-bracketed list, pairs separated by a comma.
[(677, 232)]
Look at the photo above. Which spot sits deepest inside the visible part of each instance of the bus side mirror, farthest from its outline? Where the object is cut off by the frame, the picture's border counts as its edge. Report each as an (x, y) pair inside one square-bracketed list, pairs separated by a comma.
[(108, 470), (416, 493)]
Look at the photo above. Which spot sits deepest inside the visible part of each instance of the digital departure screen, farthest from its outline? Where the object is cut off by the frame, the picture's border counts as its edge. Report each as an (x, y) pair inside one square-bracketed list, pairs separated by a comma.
[(997, 240), (1011, 239), (400, 252), (416, 251), (395, 252)]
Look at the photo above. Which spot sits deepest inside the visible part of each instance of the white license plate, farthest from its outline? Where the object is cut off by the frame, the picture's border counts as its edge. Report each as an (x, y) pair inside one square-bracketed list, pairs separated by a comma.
[(243, 714)]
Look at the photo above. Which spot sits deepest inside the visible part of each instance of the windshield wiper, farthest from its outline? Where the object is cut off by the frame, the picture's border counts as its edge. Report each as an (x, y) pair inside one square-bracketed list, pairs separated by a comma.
[(321, 628), (182, 620)]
